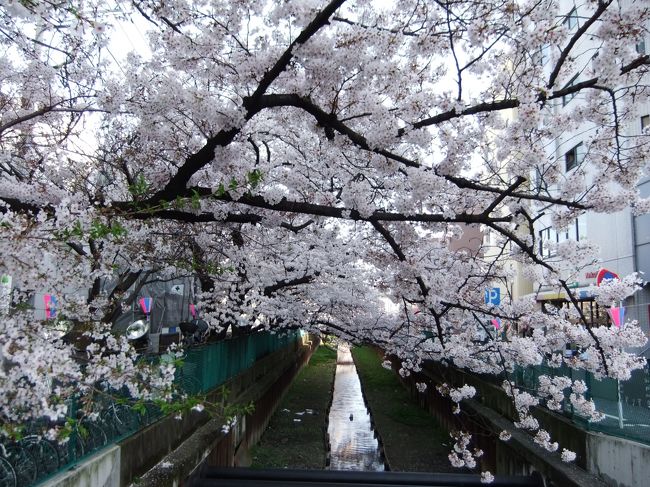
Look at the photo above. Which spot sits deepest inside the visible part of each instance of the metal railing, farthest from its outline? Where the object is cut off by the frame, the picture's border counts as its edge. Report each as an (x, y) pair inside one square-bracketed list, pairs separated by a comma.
[(626, 405), (33, 458)]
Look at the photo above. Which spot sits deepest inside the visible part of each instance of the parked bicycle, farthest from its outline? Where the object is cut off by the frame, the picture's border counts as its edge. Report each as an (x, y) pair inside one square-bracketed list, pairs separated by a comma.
[(7, 473), (23, 462), (194, 332)]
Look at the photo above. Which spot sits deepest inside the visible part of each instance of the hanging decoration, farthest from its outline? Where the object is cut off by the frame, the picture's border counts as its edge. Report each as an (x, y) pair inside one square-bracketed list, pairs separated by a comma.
[(145, 305), (50, 306), (617, 314)]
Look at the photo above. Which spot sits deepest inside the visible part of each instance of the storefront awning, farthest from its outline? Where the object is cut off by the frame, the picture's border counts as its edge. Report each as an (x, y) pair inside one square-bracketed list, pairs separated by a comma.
[(579, 293)]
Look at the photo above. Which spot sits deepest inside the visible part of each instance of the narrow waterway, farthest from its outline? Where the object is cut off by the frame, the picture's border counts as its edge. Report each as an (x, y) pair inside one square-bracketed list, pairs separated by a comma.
[(352, 440)]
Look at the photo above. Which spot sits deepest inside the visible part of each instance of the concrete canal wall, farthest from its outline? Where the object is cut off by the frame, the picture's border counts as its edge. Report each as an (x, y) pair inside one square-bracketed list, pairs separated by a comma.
[(601, 459), (170, 450)]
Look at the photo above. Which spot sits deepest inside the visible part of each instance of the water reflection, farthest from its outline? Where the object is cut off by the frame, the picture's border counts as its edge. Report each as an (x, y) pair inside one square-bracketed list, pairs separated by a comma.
[(352, 440)]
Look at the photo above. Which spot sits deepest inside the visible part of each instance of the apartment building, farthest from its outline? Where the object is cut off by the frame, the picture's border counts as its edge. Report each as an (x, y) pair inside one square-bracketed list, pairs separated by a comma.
[(623, 237)]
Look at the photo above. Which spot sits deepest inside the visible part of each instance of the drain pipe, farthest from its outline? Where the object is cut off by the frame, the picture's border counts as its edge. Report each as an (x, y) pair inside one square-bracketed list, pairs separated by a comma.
[(635, 256)]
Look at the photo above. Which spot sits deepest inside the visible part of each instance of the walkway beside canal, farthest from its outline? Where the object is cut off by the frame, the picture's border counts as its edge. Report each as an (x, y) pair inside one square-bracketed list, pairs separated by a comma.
[(295, 437), (412, 439)]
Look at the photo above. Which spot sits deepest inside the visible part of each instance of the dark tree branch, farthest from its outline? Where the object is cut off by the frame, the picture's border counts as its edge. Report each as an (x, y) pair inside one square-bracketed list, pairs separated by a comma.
[(296, 228), (468, 184), (302, 208), (173, 26), (602, 6), (270, 290), (330, 120), (383, 29), (424, 290), (321, 19), (194, 163), (24, 207), (77, 248), (224, 137), (498, 105), (518, 182), (256, 149), (44, 111), (187, 217), (585, 322)]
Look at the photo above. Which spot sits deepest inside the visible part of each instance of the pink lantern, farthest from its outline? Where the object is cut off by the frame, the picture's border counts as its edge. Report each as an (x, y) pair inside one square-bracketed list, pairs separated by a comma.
[(50, 306), (617, 314), (145, 305)]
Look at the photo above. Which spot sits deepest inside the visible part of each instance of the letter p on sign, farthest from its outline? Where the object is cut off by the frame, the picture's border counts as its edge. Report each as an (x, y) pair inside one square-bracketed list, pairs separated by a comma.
[(493, 296)]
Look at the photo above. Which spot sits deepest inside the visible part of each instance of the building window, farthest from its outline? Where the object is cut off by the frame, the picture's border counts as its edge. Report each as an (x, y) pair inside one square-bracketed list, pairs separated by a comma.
[(565, 234), (539, 181), (567, 98), (543, 54), (571, 19), (640, 47), (645, 122), (573, 157), (595, 314), (574, 231), (581, 228), (547, 236)]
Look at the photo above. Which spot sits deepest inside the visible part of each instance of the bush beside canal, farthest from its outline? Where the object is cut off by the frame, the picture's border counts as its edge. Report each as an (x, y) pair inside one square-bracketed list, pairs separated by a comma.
[(412, 439), (295, 437)]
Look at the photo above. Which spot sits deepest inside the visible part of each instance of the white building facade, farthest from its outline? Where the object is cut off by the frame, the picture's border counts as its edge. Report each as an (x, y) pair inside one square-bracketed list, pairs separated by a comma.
[(622, 237)]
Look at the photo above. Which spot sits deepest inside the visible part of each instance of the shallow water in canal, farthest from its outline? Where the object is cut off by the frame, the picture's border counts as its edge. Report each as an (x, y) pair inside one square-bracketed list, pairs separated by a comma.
[(352, 440)]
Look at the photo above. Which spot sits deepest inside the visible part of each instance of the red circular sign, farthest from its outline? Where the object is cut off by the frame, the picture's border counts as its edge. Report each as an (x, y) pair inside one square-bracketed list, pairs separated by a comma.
[(605, 274)]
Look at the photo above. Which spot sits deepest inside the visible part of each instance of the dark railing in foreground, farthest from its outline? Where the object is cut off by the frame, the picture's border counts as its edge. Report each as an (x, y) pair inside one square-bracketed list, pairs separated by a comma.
[(243, 477), (633, 421), (34, 458)]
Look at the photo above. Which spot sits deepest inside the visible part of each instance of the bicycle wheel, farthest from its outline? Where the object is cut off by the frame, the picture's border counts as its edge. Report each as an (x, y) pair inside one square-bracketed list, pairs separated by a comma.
[(7, 474), (93, 437), (121, 418), (70, 450), (45, 453), (23, 462)]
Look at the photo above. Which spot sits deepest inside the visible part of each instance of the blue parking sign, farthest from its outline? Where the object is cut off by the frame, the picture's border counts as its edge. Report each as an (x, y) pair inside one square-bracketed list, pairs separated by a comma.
[(493, 296)]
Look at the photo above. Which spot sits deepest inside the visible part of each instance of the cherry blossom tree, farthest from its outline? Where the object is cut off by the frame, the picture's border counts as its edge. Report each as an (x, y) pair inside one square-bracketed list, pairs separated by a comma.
[(305, 160)]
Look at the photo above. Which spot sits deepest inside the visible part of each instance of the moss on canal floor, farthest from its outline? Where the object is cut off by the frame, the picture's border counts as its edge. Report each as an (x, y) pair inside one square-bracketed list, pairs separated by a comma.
[(413, 441), (295, 437)]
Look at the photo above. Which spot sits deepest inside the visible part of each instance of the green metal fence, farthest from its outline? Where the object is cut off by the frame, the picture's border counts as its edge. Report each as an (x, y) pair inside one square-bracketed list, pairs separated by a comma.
[(34, 459), (211, 365), (627, 415)]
